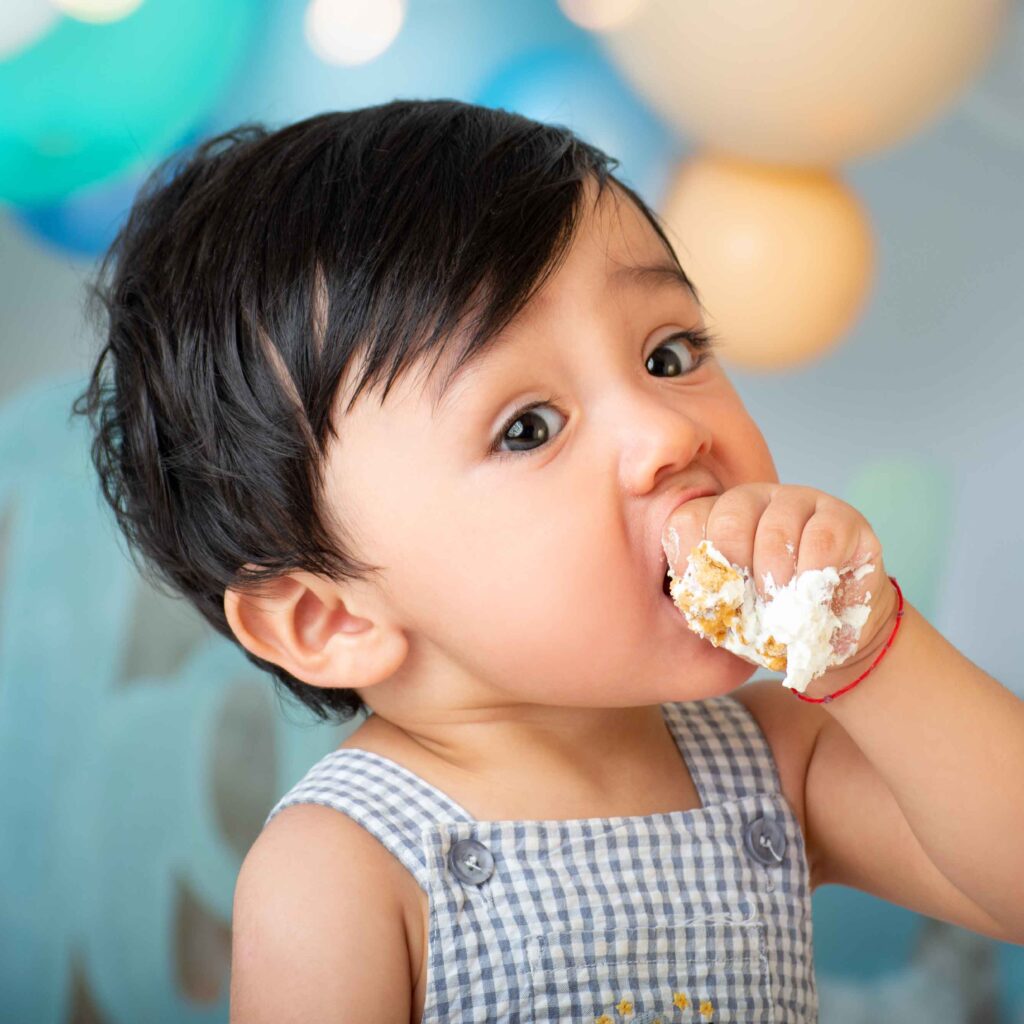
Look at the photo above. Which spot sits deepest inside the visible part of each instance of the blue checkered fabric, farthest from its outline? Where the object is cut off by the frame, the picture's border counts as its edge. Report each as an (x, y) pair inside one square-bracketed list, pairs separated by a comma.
[(670, 917)]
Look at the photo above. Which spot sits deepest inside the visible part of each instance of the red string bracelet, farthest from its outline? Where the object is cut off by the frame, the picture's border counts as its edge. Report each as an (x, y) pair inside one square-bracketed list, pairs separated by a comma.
[(881, 653)]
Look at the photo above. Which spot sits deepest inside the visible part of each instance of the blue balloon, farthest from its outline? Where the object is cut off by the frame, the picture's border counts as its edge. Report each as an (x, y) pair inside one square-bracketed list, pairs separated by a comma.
[(574, 85), (85, 224)]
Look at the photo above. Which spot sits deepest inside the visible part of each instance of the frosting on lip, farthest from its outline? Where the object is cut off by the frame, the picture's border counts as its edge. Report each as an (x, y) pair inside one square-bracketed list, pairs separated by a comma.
[(792, 631)]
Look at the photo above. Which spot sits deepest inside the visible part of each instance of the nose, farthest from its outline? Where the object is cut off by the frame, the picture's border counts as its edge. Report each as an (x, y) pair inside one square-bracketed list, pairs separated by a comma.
[(657, 436)]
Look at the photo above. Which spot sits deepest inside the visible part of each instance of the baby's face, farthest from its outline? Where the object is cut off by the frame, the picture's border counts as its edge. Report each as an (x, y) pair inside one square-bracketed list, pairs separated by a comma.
[(525, 564)]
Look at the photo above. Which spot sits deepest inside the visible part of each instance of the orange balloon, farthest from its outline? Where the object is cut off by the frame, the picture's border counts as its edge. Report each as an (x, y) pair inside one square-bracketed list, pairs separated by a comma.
[(782, 258)]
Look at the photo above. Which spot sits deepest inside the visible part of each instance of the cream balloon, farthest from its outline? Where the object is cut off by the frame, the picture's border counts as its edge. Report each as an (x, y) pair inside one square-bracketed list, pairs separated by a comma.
[(803, 82), (782, 258), (22, 22), (97, 12)]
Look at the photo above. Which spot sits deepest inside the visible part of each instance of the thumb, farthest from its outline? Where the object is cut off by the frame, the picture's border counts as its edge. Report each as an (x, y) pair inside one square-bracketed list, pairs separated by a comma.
[(684, 529)]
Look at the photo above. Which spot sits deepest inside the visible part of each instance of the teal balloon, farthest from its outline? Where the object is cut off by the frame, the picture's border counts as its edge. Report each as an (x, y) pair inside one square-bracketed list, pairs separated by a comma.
[(90, 101), (1010, 971), (859, 936)]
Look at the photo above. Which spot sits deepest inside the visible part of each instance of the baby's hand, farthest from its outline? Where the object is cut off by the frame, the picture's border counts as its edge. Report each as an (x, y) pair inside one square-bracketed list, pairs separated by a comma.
[(784, 530)]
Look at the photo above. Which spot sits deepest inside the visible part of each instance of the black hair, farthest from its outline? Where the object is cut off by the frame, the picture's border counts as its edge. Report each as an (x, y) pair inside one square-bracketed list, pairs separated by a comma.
[(251, 272)]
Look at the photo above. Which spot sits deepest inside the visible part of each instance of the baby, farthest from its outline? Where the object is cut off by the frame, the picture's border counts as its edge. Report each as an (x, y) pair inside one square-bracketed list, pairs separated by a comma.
[(328, 347)]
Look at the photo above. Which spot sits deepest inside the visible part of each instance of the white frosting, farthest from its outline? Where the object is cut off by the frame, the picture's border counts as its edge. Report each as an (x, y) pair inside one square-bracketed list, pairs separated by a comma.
[(798, 615)]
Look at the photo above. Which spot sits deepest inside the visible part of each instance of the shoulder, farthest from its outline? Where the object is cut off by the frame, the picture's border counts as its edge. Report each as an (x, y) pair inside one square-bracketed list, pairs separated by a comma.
[(791, 728), (326, 838), (317, 901), (336, 848)]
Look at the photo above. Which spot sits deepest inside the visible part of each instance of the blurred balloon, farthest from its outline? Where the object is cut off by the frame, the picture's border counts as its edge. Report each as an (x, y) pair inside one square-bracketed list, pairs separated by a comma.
[(86, 222), (352, 31), (995, 103), (97, 10), (575, 86), (89, 101), (803, 83), (600, 15), (446, 48), (1010, 960), (22, 22), (781, 257)]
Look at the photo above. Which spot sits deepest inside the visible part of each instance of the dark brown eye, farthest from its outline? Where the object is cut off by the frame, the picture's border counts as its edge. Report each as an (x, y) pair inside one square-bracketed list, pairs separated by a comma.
[(669, 364), (526, 431)]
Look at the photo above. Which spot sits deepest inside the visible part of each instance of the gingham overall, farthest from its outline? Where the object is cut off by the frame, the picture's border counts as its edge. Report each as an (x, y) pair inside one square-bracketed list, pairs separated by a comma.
[(701, 915)]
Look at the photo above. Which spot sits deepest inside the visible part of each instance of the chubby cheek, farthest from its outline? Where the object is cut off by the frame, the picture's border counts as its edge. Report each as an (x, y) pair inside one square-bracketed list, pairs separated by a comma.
[(590, 633), (761, 465), (529, 601), (741, 448), (548, 613)]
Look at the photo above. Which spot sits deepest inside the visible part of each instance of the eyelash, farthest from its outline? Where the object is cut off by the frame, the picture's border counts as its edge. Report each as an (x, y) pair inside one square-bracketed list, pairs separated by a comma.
[(702, 340)]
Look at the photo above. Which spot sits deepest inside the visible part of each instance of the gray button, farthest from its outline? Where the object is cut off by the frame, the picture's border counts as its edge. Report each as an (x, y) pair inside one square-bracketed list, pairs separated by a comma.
[(471, 861), (765, 841)]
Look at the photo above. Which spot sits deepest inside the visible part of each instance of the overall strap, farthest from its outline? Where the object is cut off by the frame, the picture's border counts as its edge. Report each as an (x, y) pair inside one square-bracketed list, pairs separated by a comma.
[(389, 801), (727, 753)]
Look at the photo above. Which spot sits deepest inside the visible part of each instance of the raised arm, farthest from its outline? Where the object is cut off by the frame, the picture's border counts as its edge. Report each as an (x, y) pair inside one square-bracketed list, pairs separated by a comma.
[(915, 785), (947, 742)]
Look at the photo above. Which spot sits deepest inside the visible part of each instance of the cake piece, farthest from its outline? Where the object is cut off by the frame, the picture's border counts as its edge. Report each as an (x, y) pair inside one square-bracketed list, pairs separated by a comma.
[(792, 631)]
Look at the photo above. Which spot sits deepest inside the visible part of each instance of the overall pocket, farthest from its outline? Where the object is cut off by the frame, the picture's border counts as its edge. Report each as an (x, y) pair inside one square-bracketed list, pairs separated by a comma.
[(709, 969)]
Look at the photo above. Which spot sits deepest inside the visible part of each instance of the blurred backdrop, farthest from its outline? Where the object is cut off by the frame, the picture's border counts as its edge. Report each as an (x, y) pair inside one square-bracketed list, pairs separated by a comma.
[(842, 179)]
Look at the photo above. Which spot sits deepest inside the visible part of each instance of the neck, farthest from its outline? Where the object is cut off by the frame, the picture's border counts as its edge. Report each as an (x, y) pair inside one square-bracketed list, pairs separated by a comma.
[(577, 762)]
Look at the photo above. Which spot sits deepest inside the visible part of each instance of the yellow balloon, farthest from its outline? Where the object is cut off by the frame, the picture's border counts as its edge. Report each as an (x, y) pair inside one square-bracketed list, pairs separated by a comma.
[(803, 81), (782, 258)]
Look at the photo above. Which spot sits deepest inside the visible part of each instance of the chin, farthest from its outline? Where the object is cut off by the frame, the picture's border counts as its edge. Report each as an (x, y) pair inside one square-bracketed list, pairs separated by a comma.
[(712, 674)]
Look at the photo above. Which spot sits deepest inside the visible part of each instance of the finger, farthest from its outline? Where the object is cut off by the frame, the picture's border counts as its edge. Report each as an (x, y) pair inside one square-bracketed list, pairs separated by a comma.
[(829, 537), (685, 529), (777, 539), (733, 522)]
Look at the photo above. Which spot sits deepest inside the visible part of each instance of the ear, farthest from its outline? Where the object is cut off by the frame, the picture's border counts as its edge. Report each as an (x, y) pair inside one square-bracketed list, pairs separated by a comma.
[(302, 623)]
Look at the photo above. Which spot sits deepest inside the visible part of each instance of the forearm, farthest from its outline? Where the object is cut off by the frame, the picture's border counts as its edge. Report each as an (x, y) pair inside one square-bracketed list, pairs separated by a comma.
[(949, 741)]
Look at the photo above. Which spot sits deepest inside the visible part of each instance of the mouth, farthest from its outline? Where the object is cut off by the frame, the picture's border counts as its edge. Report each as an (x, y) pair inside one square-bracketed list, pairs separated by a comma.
[(666, 582), (676, 618)]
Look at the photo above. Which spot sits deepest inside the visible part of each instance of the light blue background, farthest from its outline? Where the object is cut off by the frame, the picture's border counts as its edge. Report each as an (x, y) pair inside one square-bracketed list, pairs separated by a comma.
[(139, 752)]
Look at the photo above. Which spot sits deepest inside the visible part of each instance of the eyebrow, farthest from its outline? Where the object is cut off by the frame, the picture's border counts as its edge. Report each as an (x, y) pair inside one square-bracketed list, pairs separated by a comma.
[(653, 275), (646, 275)]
